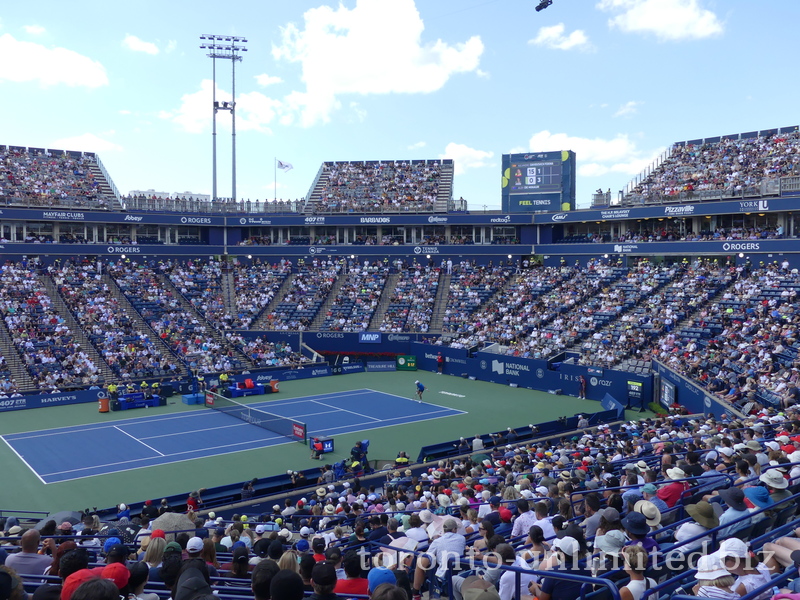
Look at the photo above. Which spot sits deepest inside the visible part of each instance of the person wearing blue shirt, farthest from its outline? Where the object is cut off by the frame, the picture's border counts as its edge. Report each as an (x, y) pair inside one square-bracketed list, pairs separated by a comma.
[(420, 389)]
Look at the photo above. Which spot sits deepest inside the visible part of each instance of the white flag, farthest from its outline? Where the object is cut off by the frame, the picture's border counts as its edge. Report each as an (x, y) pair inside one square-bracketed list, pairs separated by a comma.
[(284, 166)]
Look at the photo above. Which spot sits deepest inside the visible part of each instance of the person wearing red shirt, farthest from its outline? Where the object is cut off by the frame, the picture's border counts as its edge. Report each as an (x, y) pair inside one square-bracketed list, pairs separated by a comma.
[(672, 492), (353, 583)]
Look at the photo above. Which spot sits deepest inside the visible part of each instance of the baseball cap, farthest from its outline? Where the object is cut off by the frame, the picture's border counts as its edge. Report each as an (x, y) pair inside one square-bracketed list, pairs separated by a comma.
[(74, 581), (568, 545), (110, 543), (306, 531), (260, 529), (116, 572), (194, 545), (302, 546), (378, 576), (172, 547), (219, 531), (158, 533), (324, 573)]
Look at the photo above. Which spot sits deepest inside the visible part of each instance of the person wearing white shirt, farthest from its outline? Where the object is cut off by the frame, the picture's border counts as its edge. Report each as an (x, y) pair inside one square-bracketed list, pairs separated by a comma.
[(508, 578)]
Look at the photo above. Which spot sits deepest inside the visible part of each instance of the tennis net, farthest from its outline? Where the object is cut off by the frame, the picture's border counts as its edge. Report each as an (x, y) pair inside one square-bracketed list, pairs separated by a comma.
[(290, 428)]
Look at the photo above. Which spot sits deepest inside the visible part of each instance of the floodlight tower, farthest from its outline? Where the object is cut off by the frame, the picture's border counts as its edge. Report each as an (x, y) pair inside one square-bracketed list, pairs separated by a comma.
[(227, 47)]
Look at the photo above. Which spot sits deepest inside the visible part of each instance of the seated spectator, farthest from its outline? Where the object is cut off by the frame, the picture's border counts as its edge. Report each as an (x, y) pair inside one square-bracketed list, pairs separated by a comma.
[(635, 563), (750, 574), (713, 580), (28, 561)]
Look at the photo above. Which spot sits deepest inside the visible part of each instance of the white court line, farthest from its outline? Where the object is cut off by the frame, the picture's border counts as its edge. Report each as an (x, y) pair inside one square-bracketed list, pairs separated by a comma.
[(138, 440), (124, 462), (462, 412), (95, 426), (159, 464), (25, 462), (352, 412), (37, 433), (163, 435), (382, 426)]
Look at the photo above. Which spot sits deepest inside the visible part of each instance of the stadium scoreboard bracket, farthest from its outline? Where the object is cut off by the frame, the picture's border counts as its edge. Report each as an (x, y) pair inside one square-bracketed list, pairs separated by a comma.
[(538, 182)]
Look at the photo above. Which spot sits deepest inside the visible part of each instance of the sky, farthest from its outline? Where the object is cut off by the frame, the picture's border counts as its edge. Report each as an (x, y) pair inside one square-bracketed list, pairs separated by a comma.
[(616, 81)]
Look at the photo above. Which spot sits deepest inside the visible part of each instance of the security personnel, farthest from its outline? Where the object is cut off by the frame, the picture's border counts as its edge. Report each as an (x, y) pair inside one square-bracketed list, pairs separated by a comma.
[(155, 389), (113, 391), (145, 389), (223, 381)]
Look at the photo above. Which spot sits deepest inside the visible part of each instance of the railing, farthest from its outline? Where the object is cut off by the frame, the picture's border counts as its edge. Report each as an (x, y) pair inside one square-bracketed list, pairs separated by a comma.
[(141, 203), (767, 187), (110, 181), (790, 184), (37, 201)]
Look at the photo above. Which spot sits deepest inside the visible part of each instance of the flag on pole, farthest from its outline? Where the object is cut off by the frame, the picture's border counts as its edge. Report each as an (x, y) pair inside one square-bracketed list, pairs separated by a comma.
[(284, 166)]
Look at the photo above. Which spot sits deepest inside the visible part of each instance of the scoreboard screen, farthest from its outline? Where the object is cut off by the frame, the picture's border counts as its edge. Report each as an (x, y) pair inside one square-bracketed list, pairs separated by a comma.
[(538, 176), (538, 182)]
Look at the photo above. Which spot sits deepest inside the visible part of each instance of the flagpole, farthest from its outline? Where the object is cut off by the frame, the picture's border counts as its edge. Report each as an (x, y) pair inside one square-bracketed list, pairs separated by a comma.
[(275, 178)]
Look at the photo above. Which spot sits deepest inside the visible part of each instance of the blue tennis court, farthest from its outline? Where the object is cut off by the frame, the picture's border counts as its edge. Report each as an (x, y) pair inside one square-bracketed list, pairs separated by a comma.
[(68, 453)]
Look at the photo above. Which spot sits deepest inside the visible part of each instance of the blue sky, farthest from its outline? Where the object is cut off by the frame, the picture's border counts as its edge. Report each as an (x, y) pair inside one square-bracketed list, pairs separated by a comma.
[(617, 81)]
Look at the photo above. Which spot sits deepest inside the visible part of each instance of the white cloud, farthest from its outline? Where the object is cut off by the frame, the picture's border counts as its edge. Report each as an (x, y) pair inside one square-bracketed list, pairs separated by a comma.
[(359, 113), (131, 42), (264, 80), (596, 156), (330, 49), (254, 110), (125, 111), (669, 20), (48, 66), (417, 146), (171, 45), (553, 37), (88, 142), (466, 158), (34, 29), (629, 108)]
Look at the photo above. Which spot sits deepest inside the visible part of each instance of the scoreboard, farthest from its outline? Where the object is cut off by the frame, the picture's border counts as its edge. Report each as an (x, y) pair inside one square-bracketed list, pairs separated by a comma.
[(535, 176), (538, 181)]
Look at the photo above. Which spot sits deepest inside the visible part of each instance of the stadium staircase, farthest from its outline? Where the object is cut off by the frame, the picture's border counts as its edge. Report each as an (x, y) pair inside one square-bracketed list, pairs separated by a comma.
[(494, 298), (608, 323), (141, 326), (105, 187), (60, 306), (215, 333), (386, 300), (313, 198), (683, 331), (14, 364), (228, 287), (262, 321), (445, 194), (440, 303), (329, 301)]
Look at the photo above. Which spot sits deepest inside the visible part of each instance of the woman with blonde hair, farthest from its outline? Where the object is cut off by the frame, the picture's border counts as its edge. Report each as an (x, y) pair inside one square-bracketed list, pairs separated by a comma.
[(155, 552), (288, 561), (635, 561)]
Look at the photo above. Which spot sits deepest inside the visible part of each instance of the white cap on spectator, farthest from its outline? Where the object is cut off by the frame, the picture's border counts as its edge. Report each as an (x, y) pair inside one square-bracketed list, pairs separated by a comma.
[(194, 545)]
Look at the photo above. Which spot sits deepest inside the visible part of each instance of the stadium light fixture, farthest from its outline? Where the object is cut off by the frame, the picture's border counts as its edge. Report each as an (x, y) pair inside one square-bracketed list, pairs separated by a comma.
[(225, 47)]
